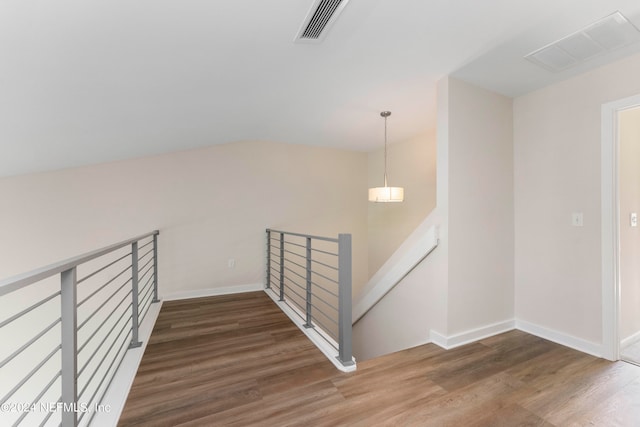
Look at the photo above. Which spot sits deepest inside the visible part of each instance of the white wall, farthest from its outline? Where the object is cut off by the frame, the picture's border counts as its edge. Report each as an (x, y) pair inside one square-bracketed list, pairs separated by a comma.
[(412, 165), (480, 220), (466, 284), (210, 205), (421, 297), (557, 172), (402, 318), (441, 284), (554, 268), (629, 168)]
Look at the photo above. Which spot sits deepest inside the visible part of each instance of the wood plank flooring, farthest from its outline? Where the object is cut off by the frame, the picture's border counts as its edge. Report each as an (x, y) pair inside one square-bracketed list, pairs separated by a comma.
[(238, 361)]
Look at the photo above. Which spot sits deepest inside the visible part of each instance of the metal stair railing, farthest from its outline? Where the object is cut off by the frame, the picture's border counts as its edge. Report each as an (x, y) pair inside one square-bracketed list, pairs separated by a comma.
[(82, 315), (312, 275)]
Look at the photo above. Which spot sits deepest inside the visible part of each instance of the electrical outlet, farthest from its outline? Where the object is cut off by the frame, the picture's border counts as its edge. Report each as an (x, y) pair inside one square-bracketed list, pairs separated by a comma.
[(633, 219), (231, 263)]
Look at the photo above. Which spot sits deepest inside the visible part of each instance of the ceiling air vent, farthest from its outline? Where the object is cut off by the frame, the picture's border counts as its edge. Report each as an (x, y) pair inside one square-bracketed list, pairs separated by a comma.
[(321, 16), (606, 35)]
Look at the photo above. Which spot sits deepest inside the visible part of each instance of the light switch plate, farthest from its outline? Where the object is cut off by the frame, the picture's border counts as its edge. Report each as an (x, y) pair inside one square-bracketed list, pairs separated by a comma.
[(577, 219)]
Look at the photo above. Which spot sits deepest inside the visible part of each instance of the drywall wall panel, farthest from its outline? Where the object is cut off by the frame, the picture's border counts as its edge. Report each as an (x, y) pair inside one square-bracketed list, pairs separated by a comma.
[(412, 165), (211, 205), (557, 173), (480, 222)]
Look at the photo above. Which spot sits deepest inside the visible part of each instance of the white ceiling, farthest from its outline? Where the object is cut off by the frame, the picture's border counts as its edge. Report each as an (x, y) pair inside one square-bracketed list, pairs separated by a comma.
[(91, 81)]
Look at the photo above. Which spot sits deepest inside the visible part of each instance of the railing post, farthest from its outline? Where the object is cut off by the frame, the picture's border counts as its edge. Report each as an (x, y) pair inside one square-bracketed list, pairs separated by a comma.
[(281, 267), (155, 269), (268, 284), (69, 350), (134, 296), (344, 299), (308, 311)]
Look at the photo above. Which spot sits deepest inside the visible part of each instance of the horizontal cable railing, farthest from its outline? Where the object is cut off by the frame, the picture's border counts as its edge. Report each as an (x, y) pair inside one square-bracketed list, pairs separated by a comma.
[(66, 328), (312, 275)]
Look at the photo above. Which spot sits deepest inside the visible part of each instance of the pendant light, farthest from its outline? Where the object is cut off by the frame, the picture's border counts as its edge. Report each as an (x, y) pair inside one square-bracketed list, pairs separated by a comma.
[(386, 194)]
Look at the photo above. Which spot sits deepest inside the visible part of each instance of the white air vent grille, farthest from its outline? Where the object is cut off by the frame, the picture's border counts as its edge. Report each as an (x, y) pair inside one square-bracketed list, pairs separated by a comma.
[(322, 15), (607, 34)]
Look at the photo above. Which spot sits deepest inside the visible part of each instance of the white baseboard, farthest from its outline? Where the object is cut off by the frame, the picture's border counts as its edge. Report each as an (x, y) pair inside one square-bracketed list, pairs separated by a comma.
[(320, 340), (117, 393), (226, 290), (467, 337), (630, 340), (594, 349), (438, 339), (471, 335)]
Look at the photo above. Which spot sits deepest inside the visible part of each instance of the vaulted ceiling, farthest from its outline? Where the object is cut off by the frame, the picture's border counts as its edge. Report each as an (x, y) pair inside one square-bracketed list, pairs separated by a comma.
[(85, 82)]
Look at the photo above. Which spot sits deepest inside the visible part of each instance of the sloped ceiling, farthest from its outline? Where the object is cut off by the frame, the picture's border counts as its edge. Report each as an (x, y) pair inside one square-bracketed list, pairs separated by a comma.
[(84, 82)]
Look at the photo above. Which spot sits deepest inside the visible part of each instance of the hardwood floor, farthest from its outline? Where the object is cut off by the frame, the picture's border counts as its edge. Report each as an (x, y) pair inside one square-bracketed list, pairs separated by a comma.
[(238, 361)]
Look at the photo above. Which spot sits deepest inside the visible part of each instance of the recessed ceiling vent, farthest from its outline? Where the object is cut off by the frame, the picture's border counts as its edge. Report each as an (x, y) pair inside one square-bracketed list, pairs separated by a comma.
[(606, 35), (321, 17)]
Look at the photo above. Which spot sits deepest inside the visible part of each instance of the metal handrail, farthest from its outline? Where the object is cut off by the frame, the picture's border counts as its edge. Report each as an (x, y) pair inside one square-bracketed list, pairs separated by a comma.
[(21, 280), (288, 233), (422, 249), (307, 273), (141, 290)]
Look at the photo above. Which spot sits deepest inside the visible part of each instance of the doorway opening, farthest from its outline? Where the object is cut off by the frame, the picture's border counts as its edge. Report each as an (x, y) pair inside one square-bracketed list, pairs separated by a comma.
[(629, 233), (620, 193)]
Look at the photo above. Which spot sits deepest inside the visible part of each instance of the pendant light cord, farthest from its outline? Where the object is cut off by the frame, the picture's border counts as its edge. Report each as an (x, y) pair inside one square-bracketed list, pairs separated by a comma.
[(385, 151)]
